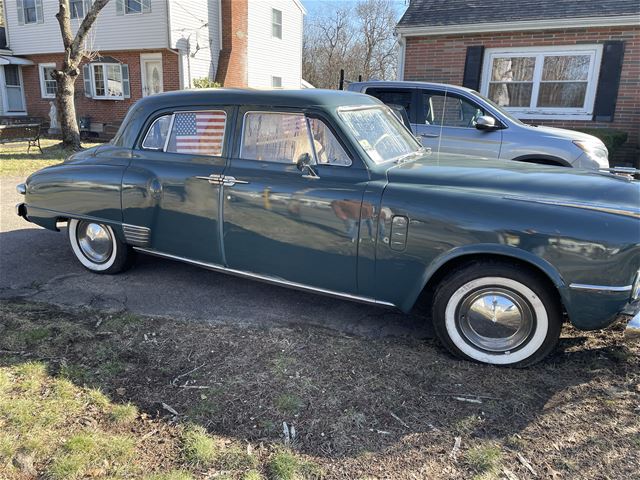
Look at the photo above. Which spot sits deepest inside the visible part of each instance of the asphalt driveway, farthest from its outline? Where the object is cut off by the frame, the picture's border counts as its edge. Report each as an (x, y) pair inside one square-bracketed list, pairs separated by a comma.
[(37, 264)]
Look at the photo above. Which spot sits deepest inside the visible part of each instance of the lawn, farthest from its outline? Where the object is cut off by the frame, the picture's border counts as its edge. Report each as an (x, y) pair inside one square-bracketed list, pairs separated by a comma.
[(90, 395), (16, 162)]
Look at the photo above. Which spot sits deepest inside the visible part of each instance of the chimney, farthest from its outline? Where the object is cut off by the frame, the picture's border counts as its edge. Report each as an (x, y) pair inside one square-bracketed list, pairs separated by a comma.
[(232, 63)]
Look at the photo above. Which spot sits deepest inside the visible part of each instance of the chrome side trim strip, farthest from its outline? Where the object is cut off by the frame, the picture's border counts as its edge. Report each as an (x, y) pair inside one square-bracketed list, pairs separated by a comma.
[(266, 278), (626, 212), (600, 288)]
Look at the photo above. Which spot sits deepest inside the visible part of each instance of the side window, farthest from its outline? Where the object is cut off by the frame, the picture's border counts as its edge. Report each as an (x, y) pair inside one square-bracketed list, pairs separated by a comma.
[(449, 111), (396, 98), (198, 133), (327, 147), (275, 137), (157, 134)]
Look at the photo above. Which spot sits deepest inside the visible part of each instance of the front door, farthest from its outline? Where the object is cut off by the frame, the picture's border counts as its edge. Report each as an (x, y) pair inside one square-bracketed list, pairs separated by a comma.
[(297, 225), (446, 123), (152, 81), (13, 98), (171, 190)]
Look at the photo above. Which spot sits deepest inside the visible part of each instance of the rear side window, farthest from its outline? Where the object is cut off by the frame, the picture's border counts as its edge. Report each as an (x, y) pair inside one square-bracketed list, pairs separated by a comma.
[(275, 137), (399, 97), (189, 133)]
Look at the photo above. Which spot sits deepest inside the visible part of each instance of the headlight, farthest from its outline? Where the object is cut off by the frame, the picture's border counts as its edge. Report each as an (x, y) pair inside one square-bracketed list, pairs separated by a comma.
[(595, 151)]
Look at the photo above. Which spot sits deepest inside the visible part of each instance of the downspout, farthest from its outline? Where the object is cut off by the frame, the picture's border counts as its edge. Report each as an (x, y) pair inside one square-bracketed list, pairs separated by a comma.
[(402, 49), (219, 36)]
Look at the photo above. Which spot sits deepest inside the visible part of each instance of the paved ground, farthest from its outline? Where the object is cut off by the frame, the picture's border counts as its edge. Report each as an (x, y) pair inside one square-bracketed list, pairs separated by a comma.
[(38, 264)]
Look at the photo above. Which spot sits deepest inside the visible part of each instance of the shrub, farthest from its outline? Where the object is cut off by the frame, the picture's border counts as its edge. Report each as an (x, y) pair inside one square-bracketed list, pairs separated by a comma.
[(205, 82)]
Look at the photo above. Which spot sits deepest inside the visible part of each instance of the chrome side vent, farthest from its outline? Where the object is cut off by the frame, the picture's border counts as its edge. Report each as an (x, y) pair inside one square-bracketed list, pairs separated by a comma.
[(399, 231), (136, 236)]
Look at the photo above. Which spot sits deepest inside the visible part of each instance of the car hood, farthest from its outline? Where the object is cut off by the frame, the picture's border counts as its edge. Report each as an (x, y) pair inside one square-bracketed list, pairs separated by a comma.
[(524, 181), (563, 133)]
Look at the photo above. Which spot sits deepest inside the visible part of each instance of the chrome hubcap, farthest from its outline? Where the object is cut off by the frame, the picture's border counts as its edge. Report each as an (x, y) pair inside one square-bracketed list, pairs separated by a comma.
[(94, 241), (495, 319)]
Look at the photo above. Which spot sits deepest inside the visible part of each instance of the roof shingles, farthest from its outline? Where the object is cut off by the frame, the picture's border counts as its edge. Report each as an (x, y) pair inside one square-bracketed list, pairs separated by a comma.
[(464, 12)]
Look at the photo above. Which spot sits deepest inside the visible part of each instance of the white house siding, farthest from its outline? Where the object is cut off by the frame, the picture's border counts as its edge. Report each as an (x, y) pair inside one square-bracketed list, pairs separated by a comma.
[(110, 32), (268, 56), (195, 33)]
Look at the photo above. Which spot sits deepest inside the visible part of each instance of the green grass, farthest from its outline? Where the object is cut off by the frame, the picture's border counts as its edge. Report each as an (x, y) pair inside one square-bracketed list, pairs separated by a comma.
[(484, 460), (172, 475), (288, 403), (286, 465), (15, 161), (123, 414), (198, 447)]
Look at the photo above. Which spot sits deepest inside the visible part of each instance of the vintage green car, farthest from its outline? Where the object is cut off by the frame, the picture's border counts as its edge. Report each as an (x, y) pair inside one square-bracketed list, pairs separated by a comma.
[(328, 192)]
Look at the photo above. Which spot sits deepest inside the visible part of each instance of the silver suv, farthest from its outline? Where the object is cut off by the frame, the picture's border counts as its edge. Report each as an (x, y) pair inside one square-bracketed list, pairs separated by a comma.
[(452, 119)]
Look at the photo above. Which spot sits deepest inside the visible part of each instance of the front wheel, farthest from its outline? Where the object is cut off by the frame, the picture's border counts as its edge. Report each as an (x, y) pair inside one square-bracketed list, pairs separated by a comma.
[(497, 313), (97, 248)]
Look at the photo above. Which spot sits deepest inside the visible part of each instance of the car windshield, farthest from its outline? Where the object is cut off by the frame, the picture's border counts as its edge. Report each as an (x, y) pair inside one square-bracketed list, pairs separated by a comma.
[(380, 133)]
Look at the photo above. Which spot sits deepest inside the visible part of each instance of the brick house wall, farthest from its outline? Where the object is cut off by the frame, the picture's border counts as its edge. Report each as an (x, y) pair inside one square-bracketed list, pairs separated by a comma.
[(108, 112), (442, 59)]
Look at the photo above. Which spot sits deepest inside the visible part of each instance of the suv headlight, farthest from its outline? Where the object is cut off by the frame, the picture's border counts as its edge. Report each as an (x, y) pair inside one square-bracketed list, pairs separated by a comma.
[(595, 151)]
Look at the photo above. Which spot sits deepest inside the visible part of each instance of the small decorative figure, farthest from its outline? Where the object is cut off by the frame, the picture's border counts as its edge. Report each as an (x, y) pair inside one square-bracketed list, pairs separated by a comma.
[(54, 128)]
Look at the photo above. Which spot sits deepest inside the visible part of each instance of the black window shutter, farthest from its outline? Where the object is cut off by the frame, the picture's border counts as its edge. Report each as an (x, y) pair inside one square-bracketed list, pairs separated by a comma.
[(609, 81), (473, 67)]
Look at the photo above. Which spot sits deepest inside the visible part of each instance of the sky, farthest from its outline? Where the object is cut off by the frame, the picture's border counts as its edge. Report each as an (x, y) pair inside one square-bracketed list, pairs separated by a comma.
[(319, 7)]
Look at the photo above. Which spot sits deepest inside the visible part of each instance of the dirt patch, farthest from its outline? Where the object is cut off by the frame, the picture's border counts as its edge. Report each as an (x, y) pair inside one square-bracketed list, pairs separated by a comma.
[(353, 407)]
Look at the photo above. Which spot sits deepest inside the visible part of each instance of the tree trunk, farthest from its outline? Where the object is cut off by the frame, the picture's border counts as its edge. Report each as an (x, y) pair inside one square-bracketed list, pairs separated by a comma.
[(66, 108)]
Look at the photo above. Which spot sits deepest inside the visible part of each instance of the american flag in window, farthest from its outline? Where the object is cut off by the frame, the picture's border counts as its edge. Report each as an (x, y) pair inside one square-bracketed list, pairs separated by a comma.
[(198, 133)]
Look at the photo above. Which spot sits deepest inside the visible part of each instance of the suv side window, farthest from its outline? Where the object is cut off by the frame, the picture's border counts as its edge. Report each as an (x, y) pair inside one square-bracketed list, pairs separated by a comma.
[(449, 110), (402, 97)]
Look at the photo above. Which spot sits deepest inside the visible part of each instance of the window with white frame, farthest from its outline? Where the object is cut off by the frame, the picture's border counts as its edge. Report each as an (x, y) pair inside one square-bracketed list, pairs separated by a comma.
[(543, 82), (276, 23), (47, 83), (106, 80), (29, 10), (76, 8)]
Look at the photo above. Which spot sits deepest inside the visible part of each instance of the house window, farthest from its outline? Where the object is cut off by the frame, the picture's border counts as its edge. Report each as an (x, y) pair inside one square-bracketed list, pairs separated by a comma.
[(276, 82), (133, 6), (47, 83), (30, 11), (107, 80), (539, 83), (77, 8), (276, 23)]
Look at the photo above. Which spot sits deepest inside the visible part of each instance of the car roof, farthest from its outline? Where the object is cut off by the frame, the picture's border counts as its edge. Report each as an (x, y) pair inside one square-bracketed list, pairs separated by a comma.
[(400, 84), (197, 97), (237, 96)]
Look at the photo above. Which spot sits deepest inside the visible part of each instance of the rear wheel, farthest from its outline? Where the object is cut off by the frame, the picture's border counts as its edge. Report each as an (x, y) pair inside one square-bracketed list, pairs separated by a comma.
[(497, 313), (97, 248)]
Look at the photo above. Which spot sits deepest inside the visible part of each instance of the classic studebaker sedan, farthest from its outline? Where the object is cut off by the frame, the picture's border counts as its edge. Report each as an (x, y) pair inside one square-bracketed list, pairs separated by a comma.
[(328, 192)]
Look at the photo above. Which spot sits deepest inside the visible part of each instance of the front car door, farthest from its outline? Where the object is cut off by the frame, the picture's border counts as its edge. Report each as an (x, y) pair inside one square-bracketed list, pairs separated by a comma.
[(171, 190), (446, 123), (281, 222)]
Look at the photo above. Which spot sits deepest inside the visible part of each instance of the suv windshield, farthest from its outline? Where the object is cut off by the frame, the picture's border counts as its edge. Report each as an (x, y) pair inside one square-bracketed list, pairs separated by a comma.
[(379, 133)]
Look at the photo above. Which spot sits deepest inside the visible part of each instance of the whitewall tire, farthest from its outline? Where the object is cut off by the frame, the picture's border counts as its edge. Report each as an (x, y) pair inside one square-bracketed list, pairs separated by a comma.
[(497, 313), (97, 248)]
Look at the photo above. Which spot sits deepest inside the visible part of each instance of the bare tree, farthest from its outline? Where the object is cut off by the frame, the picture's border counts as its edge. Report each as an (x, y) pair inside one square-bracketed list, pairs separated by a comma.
[(74, 53), (359, 40)]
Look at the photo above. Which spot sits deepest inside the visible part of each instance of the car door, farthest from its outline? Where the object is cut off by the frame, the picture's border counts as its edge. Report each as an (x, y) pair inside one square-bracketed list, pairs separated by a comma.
[(296, 226), (446, 123), (171, 190)]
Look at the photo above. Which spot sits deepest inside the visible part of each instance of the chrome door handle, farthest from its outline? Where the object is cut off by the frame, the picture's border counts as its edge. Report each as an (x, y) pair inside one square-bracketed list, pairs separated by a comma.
[(216, 179), (429, 135), (231, 181)]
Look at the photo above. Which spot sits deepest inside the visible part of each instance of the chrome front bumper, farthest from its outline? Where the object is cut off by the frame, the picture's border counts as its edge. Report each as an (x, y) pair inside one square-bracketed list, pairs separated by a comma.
[(633, 327)]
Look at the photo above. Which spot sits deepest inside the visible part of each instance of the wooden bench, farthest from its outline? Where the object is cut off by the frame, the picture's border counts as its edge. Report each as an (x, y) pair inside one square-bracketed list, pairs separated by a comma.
[(21, 132)]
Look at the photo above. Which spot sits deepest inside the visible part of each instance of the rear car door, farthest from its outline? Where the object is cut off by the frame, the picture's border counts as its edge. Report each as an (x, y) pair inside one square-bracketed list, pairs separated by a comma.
[(297, 226), (172, 188), (446, 123)]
